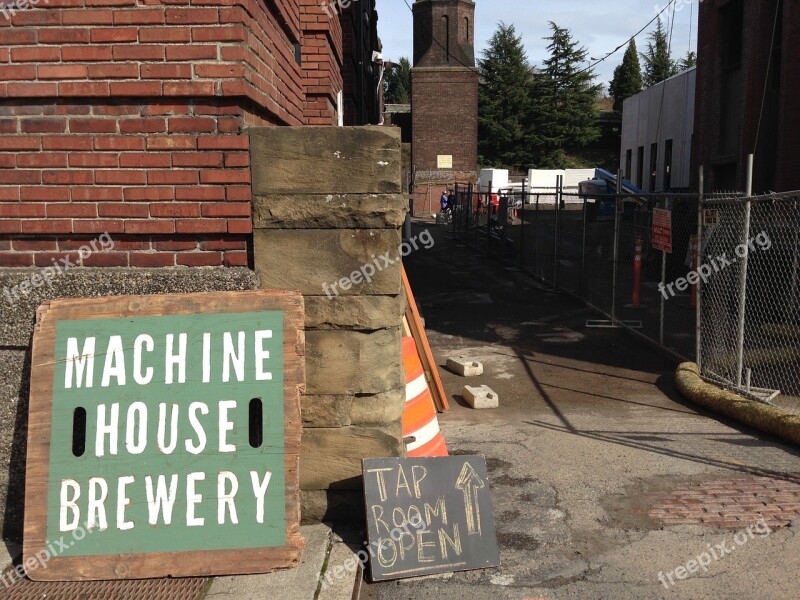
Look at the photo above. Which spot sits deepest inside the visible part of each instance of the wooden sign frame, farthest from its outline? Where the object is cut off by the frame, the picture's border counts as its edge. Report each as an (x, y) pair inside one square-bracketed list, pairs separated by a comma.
[(159, 564), (417, 330)]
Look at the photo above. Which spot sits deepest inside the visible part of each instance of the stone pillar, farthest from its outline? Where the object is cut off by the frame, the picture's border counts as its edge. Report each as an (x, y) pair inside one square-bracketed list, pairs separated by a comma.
[(327, 206)]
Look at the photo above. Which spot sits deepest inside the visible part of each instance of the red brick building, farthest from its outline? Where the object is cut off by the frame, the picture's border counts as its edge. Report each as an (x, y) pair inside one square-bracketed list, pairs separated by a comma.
[(130, 119), (748, 81), (444, 95)]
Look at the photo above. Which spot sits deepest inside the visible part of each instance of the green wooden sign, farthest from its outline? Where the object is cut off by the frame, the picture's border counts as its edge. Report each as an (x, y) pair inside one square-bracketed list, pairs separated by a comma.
[(172, 429)]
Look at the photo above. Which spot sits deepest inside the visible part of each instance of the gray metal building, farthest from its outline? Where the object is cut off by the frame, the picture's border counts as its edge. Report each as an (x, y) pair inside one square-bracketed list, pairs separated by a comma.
[(657, 128)]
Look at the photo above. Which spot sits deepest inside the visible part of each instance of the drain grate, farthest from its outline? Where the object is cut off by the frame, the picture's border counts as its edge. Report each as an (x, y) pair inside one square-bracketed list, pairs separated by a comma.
[(139, 589)]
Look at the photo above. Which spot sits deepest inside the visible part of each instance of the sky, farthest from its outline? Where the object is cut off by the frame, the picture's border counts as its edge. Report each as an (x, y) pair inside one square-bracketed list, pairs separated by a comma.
[(600, 26)]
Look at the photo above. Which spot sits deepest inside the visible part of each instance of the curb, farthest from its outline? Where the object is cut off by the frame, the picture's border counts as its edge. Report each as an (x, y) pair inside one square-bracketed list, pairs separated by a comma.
[(763, 417)]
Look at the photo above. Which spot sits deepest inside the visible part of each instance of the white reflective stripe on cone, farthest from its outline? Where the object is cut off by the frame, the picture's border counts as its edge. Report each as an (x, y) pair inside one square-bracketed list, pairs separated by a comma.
[(416, 387), (424, 435)]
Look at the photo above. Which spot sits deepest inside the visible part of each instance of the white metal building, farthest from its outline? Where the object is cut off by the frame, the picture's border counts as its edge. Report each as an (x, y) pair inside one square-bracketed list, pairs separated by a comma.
[(657, 128)]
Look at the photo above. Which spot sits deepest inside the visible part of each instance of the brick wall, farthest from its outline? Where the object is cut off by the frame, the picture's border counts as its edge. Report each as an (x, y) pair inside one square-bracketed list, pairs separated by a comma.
[(778, 150), (444, 117), (129, 119), (322, 63)]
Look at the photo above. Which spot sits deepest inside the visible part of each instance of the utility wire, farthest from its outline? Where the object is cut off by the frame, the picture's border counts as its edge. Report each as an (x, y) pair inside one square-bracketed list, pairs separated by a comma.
[(767, 76), (671, 4), (628, 41)]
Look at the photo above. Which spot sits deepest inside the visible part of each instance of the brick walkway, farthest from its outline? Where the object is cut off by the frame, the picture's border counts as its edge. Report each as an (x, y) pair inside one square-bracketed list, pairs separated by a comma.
[(732, 503)]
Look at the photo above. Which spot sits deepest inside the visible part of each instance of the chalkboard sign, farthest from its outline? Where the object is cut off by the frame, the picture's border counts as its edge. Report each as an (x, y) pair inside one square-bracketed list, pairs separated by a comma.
[(163, 436), (428, 515)]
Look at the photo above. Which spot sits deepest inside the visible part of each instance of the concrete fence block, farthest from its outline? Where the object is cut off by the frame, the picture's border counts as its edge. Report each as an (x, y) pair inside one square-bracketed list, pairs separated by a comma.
[(465, 366), (480, 397)]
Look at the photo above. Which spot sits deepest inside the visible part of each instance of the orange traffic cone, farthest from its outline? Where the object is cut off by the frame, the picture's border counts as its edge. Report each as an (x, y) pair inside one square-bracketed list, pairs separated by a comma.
[(419, 416)]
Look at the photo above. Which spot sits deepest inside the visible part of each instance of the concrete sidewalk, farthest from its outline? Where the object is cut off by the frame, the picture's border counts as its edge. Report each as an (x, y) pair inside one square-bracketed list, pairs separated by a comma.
[(603, 478), (328, 570)]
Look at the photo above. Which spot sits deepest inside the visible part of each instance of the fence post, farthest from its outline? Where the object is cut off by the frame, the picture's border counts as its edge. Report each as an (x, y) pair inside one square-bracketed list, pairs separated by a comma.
[(556, 240), (582, 284), (522, 230), (616, 248), (536, 237), (663, 306), (698, 307), (743, 276)]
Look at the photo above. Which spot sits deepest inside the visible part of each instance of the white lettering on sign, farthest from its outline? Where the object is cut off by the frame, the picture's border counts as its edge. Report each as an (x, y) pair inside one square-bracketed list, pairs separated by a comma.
[(226, 499), (80, 361), (173, 428), (138, 376), (262, 355), (193, 499), (198, 428), (96, 511), (115, 362), (161, 493), (69, 505), (162, 501), (260, 490), (229, 357), (111, 429), (123, 502), (225, 425), (175, 359)]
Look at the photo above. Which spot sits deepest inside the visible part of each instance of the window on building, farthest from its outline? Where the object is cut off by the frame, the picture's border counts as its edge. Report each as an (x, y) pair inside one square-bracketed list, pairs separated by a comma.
[(667, 165), (640, 167), (446, 36), (731, 48), (653, 167), (628, 164)]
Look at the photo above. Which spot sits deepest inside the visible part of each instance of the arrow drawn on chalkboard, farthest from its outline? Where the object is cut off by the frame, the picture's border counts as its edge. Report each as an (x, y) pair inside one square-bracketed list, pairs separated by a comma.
[(470, 482)]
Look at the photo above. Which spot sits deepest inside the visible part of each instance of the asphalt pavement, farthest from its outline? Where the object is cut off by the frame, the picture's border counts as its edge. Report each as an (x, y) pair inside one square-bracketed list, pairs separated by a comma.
[(605, 482)]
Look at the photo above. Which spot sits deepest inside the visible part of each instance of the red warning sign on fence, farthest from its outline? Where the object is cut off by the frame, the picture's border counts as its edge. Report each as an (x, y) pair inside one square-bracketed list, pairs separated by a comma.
[(662, 230)]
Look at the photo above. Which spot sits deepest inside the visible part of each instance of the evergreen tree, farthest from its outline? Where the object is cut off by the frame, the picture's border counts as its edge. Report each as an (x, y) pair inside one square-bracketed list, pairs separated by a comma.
[(658, 64), (397, 83), (565, 100), (627, 80), (688, 61), (504, 102)]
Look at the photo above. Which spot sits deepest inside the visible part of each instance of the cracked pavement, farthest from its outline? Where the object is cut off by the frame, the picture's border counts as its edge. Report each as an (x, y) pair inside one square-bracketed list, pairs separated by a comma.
[(589, 434)]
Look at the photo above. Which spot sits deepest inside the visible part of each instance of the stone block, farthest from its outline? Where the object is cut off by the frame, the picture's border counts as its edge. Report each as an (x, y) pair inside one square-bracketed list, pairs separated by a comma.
[(331, 458), (326, 410), (325, 160), (378, 409), (315, 261), (341, 506), (465, 366), (364, 313), (329, 211), (348, 409), (353, 362), (480, 397)]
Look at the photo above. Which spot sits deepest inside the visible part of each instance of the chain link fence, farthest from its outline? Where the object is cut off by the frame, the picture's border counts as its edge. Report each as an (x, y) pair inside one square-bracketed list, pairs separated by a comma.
[(598, 248), (668, 267), (750, 300)]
